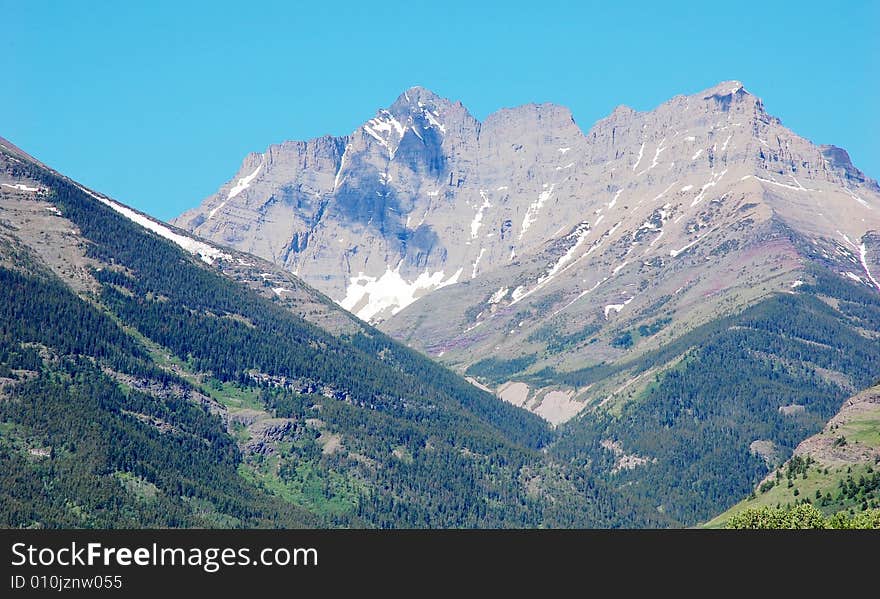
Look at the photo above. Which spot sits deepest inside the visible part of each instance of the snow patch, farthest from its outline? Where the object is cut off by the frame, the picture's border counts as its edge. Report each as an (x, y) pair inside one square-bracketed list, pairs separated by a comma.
[(863, 256), (639, 159), (432, 118), (675, 253), (857, 198), (614, 199), (385, 125), (580, 235), (847, 239), (206, 252), (242, 184), (655, 240), (498, 295), (20, 187), (660, 148), (339, 178), (663, 193), (368, 296), (478, 218), (477, 263), (716, 177), (797, 187), (380, 128), (580, 295), (534, 208), (616, 307)]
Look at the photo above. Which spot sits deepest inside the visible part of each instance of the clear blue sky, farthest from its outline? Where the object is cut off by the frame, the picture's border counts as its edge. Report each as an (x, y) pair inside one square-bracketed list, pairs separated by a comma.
[(156, 104)]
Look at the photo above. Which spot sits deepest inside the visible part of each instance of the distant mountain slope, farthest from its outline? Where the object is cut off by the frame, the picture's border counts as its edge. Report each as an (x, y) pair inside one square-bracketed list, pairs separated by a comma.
[(153, 379), (834, 470), (687, 293), (521, 236), (695, 424)]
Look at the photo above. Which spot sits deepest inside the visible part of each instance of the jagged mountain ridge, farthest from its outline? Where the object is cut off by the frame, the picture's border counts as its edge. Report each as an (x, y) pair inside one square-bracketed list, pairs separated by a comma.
[(549, 232), (423, 195)]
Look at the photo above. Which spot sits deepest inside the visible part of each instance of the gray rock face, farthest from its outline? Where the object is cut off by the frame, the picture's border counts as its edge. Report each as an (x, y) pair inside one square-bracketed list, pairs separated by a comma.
[(522, 231), (419, 197), (423, 195)]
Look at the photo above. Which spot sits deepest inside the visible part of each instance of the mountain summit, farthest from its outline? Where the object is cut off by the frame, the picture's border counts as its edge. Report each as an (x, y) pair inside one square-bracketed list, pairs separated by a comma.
[(686, 292), (423, 196)]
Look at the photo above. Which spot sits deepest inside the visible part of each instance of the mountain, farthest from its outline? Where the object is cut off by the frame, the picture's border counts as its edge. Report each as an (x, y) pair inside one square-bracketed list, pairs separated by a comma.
[(835, 470), (535, 230), (685, 293), (150, 378)]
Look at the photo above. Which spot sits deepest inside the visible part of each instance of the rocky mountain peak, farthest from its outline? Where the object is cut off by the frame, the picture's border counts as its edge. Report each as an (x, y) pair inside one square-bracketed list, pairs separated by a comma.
[(417, 122), (725, 88), (621, 111), (423, 196), (416, 97)]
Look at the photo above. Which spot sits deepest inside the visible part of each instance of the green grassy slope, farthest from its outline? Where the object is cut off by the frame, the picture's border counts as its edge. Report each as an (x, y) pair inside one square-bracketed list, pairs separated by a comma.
[(836, 470)]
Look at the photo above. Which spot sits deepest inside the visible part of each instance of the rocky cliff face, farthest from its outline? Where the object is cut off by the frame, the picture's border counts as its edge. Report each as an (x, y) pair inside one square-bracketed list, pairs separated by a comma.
[(423, 195), (526, 239)]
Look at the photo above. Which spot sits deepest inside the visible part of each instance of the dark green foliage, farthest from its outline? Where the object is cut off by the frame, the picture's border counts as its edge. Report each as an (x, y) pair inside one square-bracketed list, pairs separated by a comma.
[(422, 447), (699, 419), (88, 424), (558, 341), (647, 330), (865, 488), (47, 312), (627, 339), (591, 374), (798, 466), (623, 341), (497, 370), (766, 486), (802, 516), (425, 376), (84, 418)]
